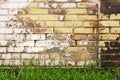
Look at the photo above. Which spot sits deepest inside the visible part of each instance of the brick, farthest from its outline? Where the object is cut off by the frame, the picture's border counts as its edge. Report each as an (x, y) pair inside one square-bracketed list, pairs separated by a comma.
[(63, 30), (37, 11), (110, 23), (78, 37), (16, 55), (25, 43), (57, 0), (4, 12), (33, 5), (43, 30), (69, 24), (115, 30), (2, 24), (59, 24), (34, 49), (6, 30), (69, 5), (102, 43), (29, 56), (75, 49), (48, 17), (3, 43), (82, 5), (7, 18), (76, 11), (2, 37), (54, 56), (3, 49), (87, 17), (106, 30), (83, 30), (57, 11), (71, 17), (41, 0), (16, 49), (50, 23), (35, 37), (86, 43), (44, 5), (40, 24), (44, 56), (17, 1), (89, 23), (28, 17), (108, 36), (6, 56), (115, 17), (78, 23)]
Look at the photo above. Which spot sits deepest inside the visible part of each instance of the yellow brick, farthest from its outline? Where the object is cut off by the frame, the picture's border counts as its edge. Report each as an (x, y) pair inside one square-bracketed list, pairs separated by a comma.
[(59, 24), (106, 30), (69, 23), (40, 24), (37, 11), (43, 30), (113, 16), (54, 55), (71, 17), (88, 24), (108, 36), (78, 23), (82, 5), (28, 17), (49, 23), (83, 30), (33, 5), (115, 30), (104, 17), (110, 23), (41, 1), (75, 49), (76, 11), (101, 43), (87, 17), (63, 30), (48, 17)]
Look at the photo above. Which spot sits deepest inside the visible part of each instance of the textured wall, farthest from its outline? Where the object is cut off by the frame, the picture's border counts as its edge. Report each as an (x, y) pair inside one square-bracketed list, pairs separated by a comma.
[(53, 31)]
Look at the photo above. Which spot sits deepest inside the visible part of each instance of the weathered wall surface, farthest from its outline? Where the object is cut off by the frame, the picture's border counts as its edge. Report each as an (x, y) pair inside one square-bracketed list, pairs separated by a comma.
[(53, 31)]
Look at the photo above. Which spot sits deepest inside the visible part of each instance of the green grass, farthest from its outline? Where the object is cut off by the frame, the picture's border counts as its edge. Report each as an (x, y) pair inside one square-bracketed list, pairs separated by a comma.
[(40, 73)]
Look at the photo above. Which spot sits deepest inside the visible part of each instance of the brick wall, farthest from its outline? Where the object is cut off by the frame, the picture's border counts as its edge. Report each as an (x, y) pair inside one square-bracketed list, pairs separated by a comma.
[(54, 31)]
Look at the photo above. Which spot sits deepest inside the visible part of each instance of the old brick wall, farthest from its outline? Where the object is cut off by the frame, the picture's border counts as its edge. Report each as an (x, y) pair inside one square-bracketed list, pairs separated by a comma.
[(54, 32)]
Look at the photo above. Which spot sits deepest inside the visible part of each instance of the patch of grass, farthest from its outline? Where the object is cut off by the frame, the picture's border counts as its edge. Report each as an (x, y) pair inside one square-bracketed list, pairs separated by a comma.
[(59, 73)]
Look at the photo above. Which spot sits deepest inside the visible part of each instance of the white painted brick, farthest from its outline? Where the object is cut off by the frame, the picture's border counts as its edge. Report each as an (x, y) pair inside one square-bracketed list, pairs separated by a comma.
[(6, 30), (2, 24), (16, 55), (78, 0), (14, 1), (2, 37), (3, 49), (23, 5), (34, 49), (69, 5), (44, 5), (29, 56), (3, 11), (13, 11), (16, 49), (3, 43), (35, 37), (6, 56), (9, 37), (7, 18), (25, 43), (23, 30), (60, 0), (11, 62), (10, 5)]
